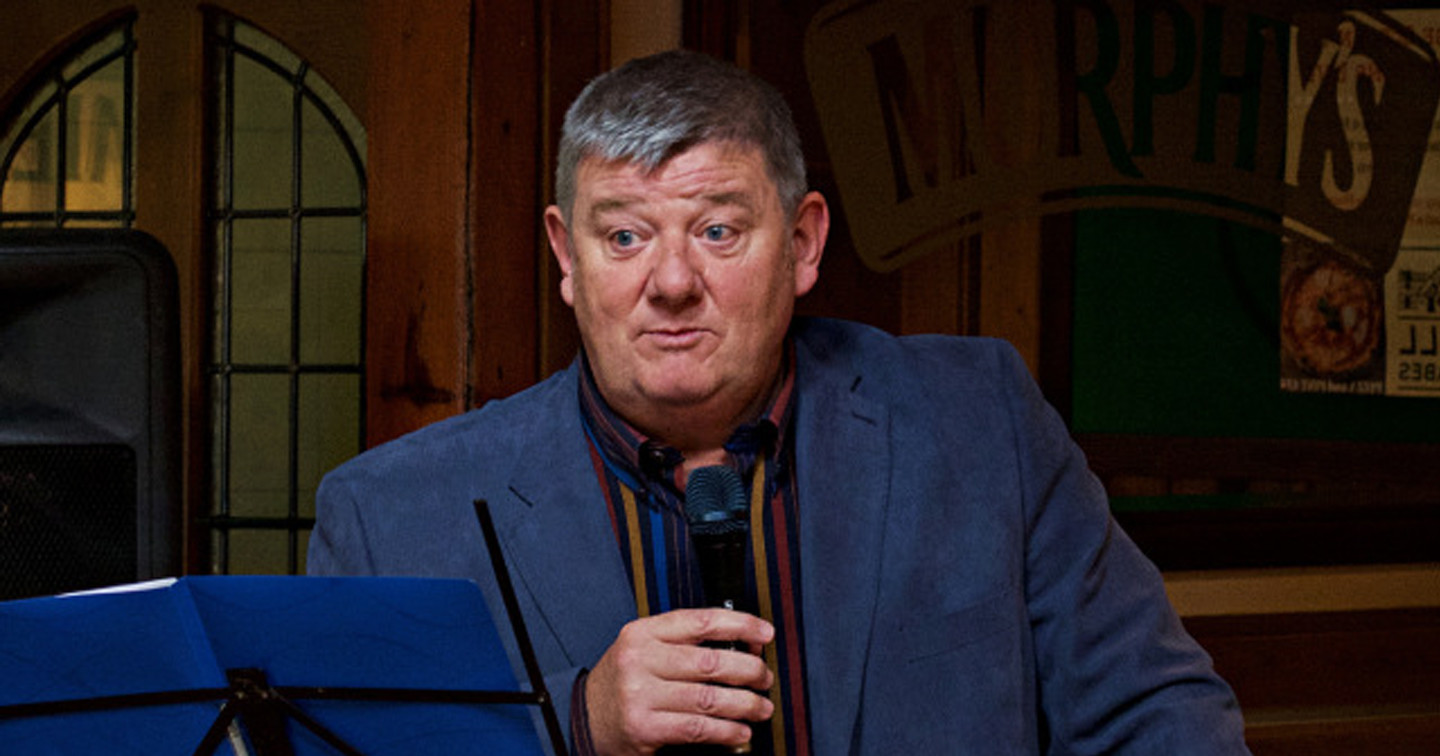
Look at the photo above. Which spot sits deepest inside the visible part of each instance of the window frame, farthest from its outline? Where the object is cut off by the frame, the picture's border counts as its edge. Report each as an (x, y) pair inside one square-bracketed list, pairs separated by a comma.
[(215, 515), (34, 105)]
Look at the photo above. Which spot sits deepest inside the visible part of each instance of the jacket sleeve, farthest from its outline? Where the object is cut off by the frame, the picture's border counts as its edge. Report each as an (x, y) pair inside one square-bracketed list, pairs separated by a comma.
[(1116, 671), (337, 543)]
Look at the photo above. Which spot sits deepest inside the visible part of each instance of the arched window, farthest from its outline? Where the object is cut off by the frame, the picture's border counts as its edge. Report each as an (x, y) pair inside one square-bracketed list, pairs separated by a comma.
[(67, 145), (286, 215)]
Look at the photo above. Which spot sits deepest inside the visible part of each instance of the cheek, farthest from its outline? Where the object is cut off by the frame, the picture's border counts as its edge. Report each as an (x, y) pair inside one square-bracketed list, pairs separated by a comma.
[(762, 304), (602, 300)]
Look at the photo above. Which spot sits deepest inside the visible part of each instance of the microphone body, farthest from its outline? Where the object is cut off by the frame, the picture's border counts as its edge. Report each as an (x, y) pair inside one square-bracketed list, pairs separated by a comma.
[(717, 513), (722, 569), (716, 510)]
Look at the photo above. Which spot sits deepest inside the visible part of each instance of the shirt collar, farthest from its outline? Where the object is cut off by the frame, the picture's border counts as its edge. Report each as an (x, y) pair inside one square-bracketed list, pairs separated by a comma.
[(644, 461)]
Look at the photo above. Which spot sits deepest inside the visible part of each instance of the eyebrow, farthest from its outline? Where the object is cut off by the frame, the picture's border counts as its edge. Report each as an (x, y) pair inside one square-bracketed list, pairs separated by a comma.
[(610, 205), (743, 200)]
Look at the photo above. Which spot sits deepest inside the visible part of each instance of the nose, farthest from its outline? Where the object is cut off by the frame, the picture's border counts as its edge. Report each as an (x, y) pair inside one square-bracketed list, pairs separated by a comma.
[(677, 277)]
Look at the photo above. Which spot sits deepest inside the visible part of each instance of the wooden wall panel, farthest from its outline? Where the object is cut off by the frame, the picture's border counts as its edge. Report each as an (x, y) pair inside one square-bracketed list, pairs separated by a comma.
[(504, 234), (575, 36), (418, 312), (463, 297)]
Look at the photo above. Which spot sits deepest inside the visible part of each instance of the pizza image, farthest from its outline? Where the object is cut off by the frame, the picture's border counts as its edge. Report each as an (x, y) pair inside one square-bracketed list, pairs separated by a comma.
[(1330, 318)]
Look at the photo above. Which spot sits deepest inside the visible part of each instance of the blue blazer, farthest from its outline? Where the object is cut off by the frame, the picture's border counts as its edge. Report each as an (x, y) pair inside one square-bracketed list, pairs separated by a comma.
[(965, 589)]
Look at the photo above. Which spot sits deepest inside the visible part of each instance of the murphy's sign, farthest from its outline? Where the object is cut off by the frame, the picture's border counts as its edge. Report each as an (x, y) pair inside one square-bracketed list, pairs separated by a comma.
[(944, 117)]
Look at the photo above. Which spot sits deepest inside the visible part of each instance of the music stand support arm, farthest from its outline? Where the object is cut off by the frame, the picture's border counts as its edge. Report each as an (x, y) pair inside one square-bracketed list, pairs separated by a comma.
[(517, 624), (263, 709)]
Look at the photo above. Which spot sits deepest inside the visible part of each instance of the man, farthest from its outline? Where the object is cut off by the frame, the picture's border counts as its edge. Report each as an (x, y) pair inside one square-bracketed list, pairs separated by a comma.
[(933, 567)]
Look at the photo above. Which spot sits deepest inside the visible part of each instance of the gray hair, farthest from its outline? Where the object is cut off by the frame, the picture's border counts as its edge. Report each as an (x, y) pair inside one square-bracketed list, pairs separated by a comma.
[(652, 109)]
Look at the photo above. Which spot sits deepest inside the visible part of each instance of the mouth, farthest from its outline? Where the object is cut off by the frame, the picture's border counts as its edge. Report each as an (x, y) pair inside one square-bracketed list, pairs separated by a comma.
[(677, 338)]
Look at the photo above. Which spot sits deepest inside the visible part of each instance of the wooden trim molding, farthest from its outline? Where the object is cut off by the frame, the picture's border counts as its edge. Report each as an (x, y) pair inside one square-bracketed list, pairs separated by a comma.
[(1334, 682), (1295, 590), (1283, 502)]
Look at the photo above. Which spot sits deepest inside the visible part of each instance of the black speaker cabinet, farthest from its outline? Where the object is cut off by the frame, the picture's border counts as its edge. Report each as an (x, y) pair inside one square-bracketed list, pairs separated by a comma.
[(89, 410)]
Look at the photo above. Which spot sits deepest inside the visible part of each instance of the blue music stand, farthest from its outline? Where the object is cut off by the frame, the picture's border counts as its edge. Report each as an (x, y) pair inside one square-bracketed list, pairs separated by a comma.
[(269, 666)]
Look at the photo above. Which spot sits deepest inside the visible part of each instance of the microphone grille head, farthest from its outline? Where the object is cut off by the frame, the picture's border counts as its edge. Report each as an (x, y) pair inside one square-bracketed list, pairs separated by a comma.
[(715, 501)]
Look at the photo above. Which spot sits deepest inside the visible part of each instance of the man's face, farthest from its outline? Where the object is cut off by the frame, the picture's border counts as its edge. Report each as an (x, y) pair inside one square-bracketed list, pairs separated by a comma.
[(683, 281)]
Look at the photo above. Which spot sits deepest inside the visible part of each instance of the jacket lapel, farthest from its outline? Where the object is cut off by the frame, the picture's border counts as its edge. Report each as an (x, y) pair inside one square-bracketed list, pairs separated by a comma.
[(844, 464), (558, 537)]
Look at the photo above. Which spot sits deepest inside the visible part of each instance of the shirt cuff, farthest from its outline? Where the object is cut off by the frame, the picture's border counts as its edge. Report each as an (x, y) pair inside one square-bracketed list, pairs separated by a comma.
[(580, 718)]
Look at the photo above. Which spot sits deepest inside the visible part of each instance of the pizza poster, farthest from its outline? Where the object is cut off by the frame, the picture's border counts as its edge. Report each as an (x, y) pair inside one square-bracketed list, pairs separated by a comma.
[(1360, 315)]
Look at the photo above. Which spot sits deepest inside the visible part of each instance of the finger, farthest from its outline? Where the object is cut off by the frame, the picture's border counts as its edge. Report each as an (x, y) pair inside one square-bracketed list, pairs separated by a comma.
[(668, 712), (725, 702), (711, 665), (698, 728), (706, 699), (693, 626)]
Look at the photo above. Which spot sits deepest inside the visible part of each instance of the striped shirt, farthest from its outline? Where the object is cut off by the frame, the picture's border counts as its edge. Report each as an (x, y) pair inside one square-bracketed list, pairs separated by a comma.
[(644, 493)]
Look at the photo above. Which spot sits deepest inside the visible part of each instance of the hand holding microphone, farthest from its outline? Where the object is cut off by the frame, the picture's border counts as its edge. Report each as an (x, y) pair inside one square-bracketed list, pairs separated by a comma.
[(675, 677), (658, 685)]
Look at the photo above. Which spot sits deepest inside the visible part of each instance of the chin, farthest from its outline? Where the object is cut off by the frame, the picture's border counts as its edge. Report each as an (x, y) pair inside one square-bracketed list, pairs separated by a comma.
[(678, 397), (669, 392)]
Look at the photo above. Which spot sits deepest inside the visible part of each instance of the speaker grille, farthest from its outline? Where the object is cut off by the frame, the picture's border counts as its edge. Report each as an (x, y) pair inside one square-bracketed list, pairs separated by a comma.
[(67, 518)]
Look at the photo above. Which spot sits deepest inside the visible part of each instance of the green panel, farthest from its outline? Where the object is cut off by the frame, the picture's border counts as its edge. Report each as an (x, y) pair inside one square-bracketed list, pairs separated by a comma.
[(1175, 333)]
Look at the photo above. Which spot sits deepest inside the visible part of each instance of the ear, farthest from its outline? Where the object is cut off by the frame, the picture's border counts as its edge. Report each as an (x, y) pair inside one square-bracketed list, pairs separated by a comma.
[(812, 225), (564, 253)]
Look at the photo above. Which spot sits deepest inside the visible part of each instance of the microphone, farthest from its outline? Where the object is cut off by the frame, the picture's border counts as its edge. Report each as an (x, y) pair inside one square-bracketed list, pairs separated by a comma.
[(716, 510)]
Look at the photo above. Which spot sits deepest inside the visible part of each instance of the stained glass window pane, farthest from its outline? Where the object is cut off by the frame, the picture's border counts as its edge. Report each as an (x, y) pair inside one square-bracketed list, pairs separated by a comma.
[(332, 274), (260, 294), (329, 430), (30, 184), (77, 66), (259, 446), (72, 125), (95, 141), (328, 177), (263, 142), (260, 552)]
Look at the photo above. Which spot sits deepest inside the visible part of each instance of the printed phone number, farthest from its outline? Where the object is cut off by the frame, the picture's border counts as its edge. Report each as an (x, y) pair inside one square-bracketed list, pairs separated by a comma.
[(1419, 372)]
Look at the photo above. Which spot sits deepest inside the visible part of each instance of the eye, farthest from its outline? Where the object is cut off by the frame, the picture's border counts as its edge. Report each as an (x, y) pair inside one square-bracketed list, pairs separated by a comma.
[(718, 233), (623, 238)]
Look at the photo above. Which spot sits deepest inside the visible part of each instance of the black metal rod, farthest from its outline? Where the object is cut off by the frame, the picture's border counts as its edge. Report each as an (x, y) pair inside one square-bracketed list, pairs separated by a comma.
[(318, 693), (216, 733), (409, 695), (517, 623), (106, 703), (312, 724)]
